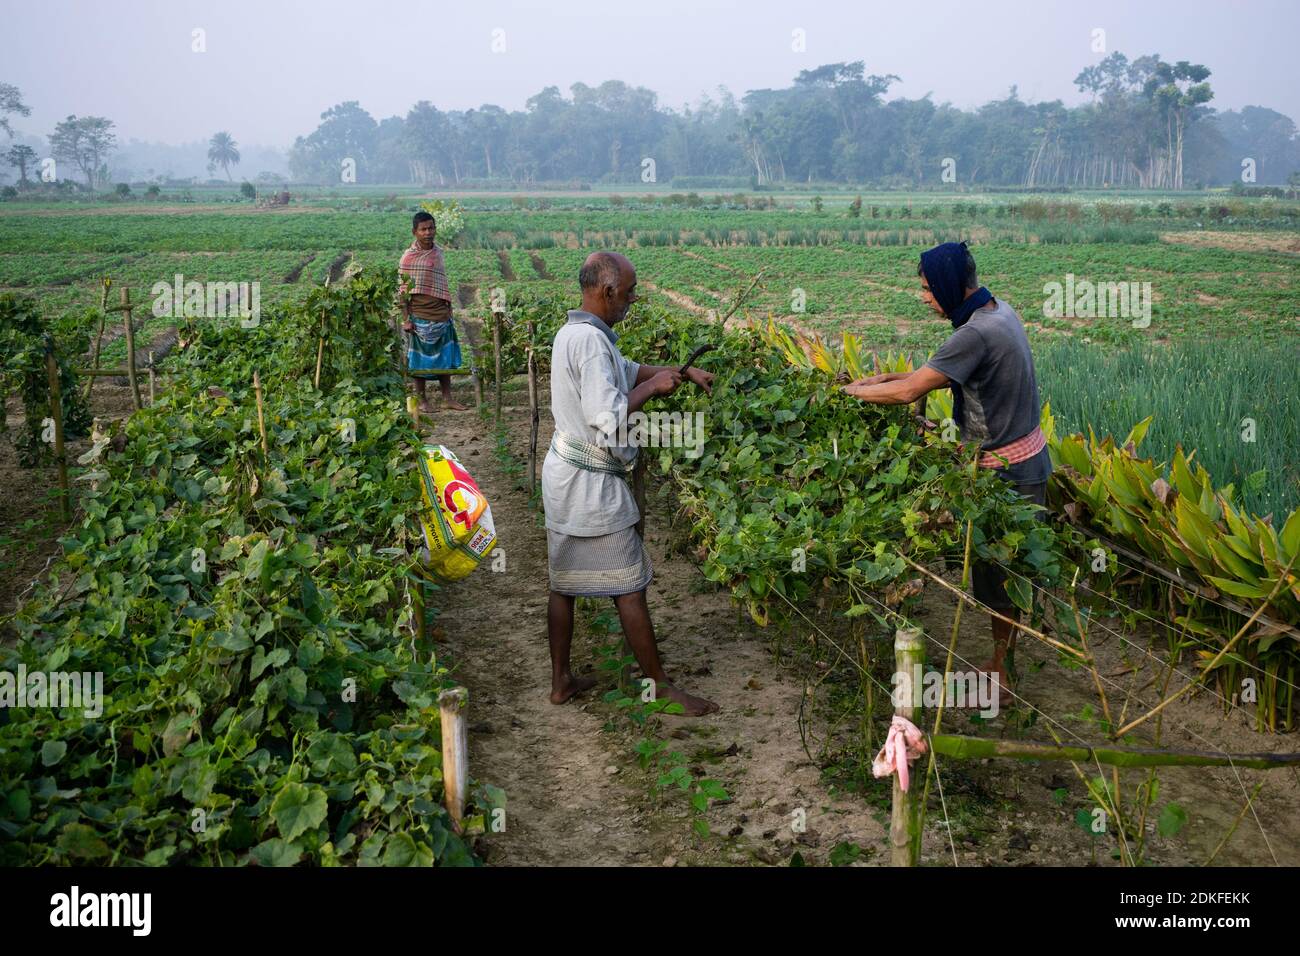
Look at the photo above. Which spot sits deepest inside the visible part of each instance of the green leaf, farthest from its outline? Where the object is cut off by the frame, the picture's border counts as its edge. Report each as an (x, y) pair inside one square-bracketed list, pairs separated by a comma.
[(1172, 819), (20, 805), (52, 752), (297, 809), (1021, 592), (275, 852), (402, 850), (80, 841), (231, 642), (842, 854)]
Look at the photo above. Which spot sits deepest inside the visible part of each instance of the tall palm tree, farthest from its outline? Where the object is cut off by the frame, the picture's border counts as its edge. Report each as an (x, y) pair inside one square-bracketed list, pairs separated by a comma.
[(222, 151)]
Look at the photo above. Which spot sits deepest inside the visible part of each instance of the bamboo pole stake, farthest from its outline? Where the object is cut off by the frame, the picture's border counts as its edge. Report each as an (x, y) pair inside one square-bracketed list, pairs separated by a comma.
[(638, 492), (56, 413), (130, 350), (417, 612), (742, 296), (261, 419), (974, 748), (1064, 648), (909, 660), (943, 689), (534, 413), (455, 752), (413, 409), (152, 381), (320, 345), (1205, 672), (99, 336), (496, 353)]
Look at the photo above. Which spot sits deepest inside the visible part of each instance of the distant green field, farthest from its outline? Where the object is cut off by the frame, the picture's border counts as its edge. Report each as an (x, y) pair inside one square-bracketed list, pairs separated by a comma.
[(1222, 271)]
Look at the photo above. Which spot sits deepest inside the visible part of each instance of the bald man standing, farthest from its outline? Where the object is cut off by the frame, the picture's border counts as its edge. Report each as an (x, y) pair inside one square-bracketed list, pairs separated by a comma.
[(591, 515)]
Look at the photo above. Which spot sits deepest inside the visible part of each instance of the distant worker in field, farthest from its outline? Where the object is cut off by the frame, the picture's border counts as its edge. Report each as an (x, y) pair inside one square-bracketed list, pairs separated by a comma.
[(593, 546), (988, 364), (433, 349)]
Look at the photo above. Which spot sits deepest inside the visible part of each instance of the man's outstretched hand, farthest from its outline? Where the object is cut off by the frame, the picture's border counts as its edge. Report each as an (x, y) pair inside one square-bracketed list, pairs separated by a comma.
[(666, 382), (701, 378)]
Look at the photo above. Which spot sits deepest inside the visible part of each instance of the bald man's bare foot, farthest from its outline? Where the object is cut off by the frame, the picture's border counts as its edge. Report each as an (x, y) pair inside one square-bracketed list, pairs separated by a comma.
[(692, 706), (1001, 680), (454, 405), (569, 687)]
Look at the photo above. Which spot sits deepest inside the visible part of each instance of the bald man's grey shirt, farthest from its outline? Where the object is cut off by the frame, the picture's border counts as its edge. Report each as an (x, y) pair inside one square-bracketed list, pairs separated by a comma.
[(590, 383)]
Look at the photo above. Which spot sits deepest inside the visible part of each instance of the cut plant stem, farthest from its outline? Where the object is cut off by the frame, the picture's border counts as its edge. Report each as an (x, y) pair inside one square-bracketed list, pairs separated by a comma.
[(956, 745), (1063, 648)]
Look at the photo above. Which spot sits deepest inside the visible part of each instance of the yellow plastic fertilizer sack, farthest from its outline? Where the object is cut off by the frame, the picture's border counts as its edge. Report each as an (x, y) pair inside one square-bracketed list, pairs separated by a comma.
[(457, 521)]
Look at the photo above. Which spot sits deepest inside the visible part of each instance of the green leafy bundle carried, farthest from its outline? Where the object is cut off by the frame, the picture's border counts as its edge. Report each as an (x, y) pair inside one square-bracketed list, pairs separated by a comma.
[(799, 490)]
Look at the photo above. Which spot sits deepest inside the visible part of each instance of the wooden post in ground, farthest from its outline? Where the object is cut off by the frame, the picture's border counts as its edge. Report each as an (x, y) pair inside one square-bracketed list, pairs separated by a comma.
[(320, 346), (638, 491), (130, 350), (56, 413), (455, 752), (413, 409), (417, 612), (496, 355), (99, 336), (534, 413), (152, 381), (909, 661), (261, 419)]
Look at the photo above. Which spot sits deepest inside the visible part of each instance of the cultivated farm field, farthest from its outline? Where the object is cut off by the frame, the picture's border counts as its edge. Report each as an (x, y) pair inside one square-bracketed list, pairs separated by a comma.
[(1218, 348)]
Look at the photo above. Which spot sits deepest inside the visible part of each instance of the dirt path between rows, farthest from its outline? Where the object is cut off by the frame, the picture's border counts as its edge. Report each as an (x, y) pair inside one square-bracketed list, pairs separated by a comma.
[(575, 793)]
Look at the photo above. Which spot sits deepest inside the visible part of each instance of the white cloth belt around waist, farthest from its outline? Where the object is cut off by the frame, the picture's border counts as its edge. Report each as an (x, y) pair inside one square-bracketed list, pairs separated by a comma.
[(587, 456)]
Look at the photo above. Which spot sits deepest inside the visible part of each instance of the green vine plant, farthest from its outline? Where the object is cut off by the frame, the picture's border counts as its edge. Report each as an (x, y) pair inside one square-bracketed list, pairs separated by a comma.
[(24, 338), (667, 767)]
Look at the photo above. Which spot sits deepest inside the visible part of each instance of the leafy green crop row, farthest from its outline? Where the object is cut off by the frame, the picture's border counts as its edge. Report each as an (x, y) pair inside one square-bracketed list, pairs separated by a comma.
[(263, 702)]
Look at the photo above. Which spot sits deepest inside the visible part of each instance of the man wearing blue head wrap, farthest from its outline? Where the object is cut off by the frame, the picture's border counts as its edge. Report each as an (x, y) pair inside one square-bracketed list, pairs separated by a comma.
[(990, 369)]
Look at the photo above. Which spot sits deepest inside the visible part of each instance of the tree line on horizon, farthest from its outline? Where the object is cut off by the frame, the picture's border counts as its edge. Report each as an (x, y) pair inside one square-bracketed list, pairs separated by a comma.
[(1146, 125)]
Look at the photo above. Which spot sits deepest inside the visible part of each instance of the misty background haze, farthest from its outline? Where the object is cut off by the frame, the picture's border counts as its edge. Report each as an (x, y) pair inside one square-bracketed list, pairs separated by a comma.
[(707, 89)]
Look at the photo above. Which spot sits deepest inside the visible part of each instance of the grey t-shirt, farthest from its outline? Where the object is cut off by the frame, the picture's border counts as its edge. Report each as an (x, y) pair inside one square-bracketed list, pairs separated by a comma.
[(590, 382), (995, 393)]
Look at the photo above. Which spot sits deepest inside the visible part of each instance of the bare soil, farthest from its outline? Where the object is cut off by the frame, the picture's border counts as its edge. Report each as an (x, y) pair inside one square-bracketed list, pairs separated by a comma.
[(1237, 241), (29, 512)]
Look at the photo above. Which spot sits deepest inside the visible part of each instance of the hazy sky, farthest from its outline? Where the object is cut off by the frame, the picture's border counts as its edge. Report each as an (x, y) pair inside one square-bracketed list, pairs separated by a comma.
[(271, 67)]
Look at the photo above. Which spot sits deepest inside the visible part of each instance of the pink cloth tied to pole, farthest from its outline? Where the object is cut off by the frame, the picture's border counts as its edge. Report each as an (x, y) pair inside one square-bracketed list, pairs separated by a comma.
[(905, 742)]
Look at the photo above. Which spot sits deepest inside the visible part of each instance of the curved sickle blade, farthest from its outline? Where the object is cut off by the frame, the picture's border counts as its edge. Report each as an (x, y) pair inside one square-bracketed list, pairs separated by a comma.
[(695, 355)]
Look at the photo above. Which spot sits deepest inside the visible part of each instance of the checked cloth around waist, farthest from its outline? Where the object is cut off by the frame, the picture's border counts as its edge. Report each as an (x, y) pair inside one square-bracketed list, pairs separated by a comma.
[(1022, 449), (583, 454)]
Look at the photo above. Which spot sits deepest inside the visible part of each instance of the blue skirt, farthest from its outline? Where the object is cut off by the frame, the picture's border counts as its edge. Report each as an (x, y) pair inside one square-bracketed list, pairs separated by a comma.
[(434, 349)]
